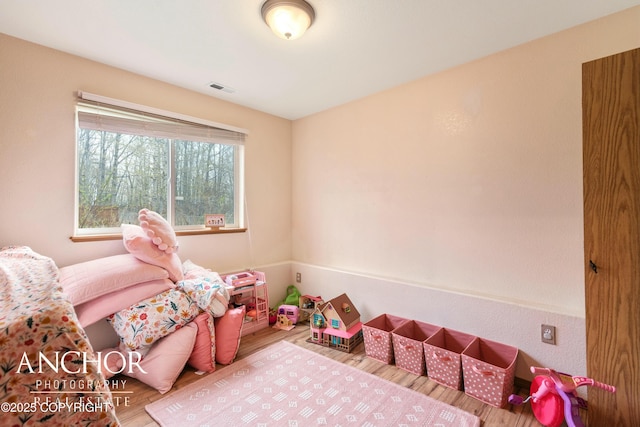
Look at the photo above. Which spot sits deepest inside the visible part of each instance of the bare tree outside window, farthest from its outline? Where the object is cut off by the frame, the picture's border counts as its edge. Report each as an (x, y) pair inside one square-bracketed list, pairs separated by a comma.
[(120, 173), (205, 179)]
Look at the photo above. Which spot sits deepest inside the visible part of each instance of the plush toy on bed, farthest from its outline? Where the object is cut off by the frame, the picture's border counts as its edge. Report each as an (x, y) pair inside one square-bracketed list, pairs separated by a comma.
[(160, 231)]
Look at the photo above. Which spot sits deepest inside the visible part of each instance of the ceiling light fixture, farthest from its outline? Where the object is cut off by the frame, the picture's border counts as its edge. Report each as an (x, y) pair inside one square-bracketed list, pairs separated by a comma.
[(288, 19)]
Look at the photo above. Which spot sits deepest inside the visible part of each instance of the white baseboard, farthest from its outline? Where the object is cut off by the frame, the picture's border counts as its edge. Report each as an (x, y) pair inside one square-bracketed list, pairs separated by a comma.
[(512, 324)]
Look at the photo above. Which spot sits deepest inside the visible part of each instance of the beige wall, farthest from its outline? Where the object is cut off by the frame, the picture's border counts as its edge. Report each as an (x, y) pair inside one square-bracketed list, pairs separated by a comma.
[(455, 199), (37, 158), (469, 180)]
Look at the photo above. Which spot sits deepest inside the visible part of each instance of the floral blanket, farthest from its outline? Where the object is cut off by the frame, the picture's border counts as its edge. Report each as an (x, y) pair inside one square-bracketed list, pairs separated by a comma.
[(49, 374)]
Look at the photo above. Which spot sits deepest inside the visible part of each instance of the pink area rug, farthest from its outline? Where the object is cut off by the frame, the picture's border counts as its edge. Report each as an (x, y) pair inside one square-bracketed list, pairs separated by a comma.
[(287, 385)]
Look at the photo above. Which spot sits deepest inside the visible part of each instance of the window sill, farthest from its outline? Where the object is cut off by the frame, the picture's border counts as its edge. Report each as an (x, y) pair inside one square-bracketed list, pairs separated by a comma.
[(118, 236)]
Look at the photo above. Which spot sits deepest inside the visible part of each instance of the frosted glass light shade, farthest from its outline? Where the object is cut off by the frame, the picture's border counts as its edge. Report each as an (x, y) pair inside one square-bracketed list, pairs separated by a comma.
[(288, 19)]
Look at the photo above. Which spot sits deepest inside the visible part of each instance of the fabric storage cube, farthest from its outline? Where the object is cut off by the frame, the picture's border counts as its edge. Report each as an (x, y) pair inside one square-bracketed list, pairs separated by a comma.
[(408, 340), (442, 355), (488, 370), (377, 337)]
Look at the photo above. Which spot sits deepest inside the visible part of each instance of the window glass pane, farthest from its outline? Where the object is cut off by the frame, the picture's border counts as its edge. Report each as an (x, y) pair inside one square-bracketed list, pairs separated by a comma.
[(205, 181), (119, 174), (129, 159)]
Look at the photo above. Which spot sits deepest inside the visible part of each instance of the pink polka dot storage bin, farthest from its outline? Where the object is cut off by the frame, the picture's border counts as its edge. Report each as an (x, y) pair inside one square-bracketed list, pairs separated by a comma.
[(377, 337), (488, 370), (442, 355), (408, 349)]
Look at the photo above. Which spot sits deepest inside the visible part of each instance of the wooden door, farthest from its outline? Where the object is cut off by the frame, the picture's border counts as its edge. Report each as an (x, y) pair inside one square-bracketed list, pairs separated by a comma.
[(611, 162)]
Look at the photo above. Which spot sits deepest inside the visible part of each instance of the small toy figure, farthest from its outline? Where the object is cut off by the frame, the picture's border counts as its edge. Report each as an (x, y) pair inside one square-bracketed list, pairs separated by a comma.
[(283, 322)]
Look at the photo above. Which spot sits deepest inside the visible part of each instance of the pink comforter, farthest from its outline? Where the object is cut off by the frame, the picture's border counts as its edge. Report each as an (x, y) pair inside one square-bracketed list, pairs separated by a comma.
[(47, 373)]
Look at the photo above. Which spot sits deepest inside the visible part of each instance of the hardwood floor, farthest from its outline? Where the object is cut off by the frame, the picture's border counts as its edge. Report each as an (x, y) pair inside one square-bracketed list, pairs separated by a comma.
[(134, 414)]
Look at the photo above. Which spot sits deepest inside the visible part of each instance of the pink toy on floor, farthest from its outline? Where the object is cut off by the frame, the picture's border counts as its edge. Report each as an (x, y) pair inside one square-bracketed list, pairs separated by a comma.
[(553, 398), (290, 311)]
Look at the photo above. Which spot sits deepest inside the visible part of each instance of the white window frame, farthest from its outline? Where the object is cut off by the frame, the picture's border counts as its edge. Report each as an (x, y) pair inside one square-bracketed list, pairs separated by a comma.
[(86, 100)]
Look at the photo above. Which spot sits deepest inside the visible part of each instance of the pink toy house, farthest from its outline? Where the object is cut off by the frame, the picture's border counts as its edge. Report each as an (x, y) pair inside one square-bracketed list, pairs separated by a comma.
[(336, 324), (308, 304)]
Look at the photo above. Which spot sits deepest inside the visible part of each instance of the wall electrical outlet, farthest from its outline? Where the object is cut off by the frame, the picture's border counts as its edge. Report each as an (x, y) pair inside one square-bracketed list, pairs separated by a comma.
[(298, 277), (548, 334)]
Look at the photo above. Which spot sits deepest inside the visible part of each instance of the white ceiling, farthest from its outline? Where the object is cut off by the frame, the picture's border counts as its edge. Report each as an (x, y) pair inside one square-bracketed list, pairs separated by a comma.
[(354, 48)]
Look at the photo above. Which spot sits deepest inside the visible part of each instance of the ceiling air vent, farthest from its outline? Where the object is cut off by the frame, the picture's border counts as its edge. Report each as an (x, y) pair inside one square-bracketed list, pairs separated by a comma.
[(221, 87)]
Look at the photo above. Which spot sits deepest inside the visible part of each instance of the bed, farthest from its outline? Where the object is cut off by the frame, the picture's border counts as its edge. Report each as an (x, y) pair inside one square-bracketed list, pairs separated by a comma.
[(48, 373)]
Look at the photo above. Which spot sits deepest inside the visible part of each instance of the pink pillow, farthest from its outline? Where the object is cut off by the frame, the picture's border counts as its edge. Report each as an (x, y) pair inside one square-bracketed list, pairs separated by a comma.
[(228, 333), (203, 356), (140, 245), (166, 359), (159, 230), (97, 309), (91, 279), (111, 362)]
